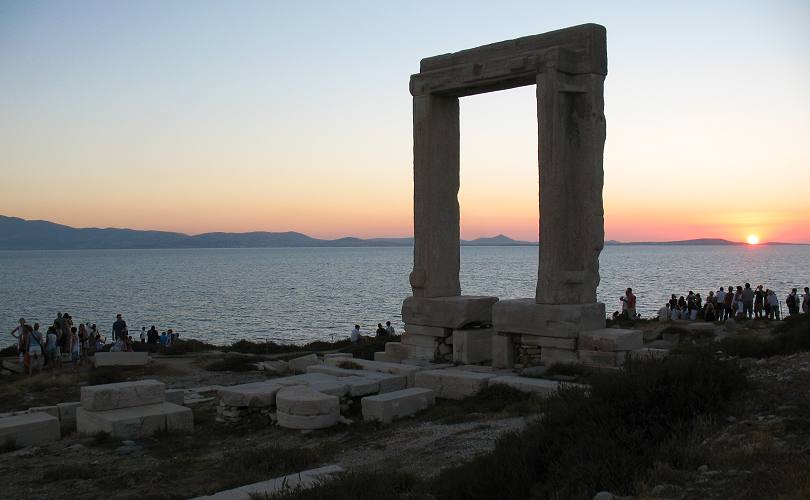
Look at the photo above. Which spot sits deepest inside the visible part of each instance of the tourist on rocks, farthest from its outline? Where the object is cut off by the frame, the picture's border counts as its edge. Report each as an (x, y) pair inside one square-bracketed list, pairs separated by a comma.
[(355, 335), (152, 335), (739, 308), (690, 305), (52, 356), (773, 303), (75, 348), (697, 304), (720, 301), (380, 330), (390, 329), (682, 311), (728, 304), (806, 301), (748, 301), (36, 353), (709, 311), (118, 327), (663, 313), (629, 304), (792, 302), (99, 343), (18, 333), (162, 338), (759, 300), (143, 334), (172, 336)]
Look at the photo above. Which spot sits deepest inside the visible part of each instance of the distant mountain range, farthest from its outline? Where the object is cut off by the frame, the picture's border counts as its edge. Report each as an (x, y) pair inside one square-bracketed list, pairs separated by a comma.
[(21, 234)]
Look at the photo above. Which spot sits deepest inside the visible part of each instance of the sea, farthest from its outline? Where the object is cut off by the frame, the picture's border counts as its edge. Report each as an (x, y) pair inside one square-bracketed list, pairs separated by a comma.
[(297, 295)]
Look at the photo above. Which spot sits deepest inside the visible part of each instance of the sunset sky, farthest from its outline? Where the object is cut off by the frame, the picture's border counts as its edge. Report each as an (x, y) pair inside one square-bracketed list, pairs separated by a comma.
[(269, 115)]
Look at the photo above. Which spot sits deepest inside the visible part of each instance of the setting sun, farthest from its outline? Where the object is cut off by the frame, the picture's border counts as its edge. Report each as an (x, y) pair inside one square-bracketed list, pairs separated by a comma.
[(753, 239)]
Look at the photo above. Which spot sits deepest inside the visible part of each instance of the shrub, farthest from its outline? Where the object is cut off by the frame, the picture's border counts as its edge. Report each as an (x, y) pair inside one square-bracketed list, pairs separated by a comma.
[(349, 365), (790, 336), (567, 369), (492, 399), (604, 438)]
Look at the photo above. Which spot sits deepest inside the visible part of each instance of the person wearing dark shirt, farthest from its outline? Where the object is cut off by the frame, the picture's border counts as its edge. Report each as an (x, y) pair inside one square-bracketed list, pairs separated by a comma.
[(118, 328)]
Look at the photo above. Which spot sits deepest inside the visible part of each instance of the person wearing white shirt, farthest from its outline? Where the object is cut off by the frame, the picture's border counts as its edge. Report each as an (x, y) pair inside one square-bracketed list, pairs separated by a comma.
[(355, 335)]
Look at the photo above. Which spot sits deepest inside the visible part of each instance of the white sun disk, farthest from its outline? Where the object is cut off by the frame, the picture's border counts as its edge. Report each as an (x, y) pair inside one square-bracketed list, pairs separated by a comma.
[(753, 239)]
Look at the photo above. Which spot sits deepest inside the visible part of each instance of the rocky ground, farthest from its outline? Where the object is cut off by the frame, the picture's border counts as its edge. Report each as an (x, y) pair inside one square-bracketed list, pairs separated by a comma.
[(760, 450)]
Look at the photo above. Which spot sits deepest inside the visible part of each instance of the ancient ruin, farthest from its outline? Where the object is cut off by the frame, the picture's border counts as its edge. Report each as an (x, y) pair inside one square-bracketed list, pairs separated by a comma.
[(568, 67)]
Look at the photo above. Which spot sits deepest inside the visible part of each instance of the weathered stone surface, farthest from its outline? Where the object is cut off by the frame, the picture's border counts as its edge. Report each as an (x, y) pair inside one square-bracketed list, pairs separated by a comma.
[(452, 383), (552, 342), (649, 353), (413, 339), (50, 410), (337, 387), (29, 429), (120, 359), (361, 386), (472, 345), (304, 422), (382, 357), (393, 368), (397, 404), (526, 384), (175, 396), (330, 355), (429, 331), (135, 421), (299, 365), (436, 253), (67, 416), (303, 480), (395, 352), (611, 339), (256, 394), (304, 401), (278, 367), (503, 352), (448, 312), (525, 316), (122, 395), (13, 366), (601, 358), (550, 356)]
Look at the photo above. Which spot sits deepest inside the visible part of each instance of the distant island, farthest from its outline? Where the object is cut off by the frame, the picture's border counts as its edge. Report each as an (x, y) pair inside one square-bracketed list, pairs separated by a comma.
[(21, 234)]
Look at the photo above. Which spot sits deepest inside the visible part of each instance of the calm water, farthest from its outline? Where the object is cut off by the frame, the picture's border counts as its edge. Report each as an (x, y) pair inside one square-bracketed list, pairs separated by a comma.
[(302, 294)]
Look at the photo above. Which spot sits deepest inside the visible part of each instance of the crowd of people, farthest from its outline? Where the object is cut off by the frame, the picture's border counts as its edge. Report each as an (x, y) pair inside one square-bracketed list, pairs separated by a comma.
[(37, 350), (731, 302), (356, 336)]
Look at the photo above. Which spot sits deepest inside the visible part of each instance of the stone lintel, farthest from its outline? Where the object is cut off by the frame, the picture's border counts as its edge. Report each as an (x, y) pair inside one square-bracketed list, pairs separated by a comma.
[(448, 312), (527, 317), (513, 63)]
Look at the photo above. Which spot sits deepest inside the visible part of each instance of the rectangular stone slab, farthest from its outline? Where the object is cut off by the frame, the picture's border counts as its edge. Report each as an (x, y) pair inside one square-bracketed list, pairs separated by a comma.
[(527, 317), (120, 359), (299, 365), (122, 395), (418, 340), (553, 342), (255, 395), (136, 421), (451, 383), (67, 416), (503, 352), (611, 339), (429, 331), (448, 312), (397, 404), (407, 371), (29, 429), (527, 384)]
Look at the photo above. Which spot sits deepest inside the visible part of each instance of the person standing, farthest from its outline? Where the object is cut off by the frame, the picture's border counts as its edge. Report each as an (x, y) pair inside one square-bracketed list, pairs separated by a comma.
[(773, 301), (720, 302), (143, 334), (806, 301), (792, 302), (18, 332), (355, 335), (35, 350), (629, 304), (118, 327), (728, 303), (75, 347), (390, 329), (748, 301), (52, 348), (759, 300)]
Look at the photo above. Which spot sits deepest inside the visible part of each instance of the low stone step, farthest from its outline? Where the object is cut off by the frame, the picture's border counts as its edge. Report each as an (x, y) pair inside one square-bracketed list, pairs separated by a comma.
[(122, 395), (377, 366), (136, 421), (397, 404), (29, 429), (300, 364), (452, 383), (255, 395), (120, 359), (302, 480), (611, 339)]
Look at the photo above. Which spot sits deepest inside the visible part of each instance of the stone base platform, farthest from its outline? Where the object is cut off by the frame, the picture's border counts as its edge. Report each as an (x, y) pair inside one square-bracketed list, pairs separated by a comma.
[(136, 421), (29, 429), (472, 345), (448, 312), (452, 383), (386, 407), (526, 316), (122, 395), (120, 359)]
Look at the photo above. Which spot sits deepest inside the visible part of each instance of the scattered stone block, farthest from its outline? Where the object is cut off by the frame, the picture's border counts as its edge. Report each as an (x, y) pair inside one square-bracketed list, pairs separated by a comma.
[(525, 316), (304, 401), (307, 422), (337, 387), (395, 352), (50, 410), (611, 339), (472, 345), (452, 383), (338, 355), (120, 359), (553, 342), (648, 353), (425, 341), (137, 421), (67, 416), (393, 368), (302, 480), (503, 352), (256, 394), (397, 404), (448, 312), (299, 365), (122, 395), (278, 367), (176, 396), (429, 331), (29, 429)]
